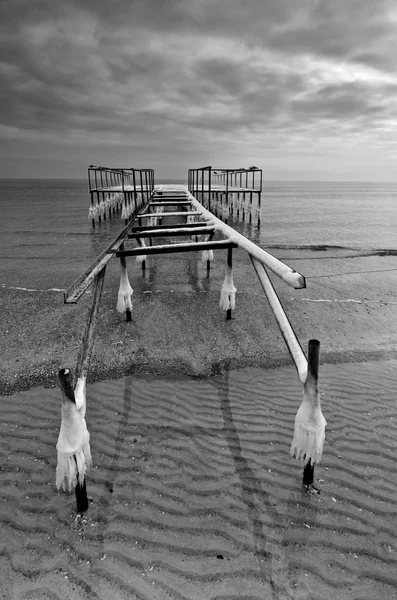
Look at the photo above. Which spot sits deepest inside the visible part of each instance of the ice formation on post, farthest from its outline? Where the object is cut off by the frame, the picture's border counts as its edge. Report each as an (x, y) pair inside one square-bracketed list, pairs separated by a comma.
[(207, 255), (141, 257), (228, 291), (309, 433), (124, 300), (74, 454)]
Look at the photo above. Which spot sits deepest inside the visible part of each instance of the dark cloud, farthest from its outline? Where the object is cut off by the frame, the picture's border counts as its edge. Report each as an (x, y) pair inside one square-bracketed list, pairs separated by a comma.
[(196, 76)]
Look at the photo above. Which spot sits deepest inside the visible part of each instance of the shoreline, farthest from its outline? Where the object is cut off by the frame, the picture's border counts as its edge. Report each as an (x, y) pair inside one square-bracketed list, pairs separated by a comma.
[(178, 328), (46, 376), (179, 335)]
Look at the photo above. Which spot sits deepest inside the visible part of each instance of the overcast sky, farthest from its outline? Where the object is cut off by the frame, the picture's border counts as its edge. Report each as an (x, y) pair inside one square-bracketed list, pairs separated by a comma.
[(305, 89)]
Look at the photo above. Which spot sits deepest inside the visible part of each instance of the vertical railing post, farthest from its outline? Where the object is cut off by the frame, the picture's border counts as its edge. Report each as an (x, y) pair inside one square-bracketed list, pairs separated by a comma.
[(209, 189)]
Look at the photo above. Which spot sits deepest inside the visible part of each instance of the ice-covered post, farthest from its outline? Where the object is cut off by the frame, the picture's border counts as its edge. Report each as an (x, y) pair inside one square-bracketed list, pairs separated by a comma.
[(228, 291), (125, 290), (313, 362), (74, 455), (309, 432)]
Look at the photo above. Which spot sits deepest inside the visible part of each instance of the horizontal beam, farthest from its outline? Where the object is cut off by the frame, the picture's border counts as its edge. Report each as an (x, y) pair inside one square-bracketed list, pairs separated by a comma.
[(285, 326), (222, 189), (290, 276), (171, 203), (170, 214), (177, 226), (168, 232), (171, 248)]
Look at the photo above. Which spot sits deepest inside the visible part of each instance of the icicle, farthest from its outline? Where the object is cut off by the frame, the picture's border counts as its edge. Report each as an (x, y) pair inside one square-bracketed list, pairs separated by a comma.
[(152, 221), (228, 292), (74, 454), (141, 257), (91, 212), (207, 255), (125, 292), (124, 212), (309, 433)]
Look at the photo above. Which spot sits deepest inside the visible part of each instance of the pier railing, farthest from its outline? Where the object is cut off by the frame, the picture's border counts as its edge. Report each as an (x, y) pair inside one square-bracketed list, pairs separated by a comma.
[(115, 190), (228, 192)]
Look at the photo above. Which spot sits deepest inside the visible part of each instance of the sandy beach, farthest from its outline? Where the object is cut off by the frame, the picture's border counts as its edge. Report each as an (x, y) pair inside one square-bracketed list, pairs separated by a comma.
[(193, 492), (350, 305)]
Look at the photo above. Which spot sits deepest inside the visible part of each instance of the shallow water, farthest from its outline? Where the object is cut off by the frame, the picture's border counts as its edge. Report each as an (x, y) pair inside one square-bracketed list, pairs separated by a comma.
[(47, 240), (194, 494)]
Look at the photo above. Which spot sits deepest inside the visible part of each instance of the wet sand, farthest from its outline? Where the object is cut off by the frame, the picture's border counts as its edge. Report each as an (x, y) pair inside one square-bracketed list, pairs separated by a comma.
[(194, 495)]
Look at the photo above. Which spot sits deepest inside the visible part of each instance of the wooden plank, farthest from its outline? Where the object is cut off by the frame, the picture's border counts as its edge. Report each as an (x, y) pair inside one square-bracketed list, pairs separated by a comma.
[(172, 248), (172, 232), (285, 326)]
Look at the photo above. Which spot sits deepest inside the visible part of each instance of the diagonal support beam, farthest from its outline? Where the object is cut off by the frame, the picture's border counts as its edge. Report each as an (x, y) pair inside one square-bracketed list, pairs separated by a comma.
[(285, 326), (290, 276)]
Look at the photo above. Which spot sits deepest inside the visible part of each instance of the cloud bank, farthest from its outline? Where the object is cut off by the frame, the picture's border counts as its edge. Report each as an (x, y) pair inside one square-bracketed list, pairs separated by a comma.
[(304, 90)]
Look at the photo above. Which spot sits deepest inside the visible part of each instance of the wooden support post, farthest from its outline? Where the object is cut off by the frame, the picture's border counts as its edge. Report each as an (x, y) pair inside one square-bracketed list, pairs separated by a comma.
[(65, 381), (313, 361), (230, 266), (92, 206), (259, 209), (81, 494), (123, 262)]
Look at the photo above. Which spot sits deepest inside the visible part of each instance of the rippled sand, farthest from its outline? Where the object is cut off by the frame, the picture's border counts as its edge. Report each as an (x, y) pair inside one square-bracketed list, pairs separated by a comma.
[(194, 495)]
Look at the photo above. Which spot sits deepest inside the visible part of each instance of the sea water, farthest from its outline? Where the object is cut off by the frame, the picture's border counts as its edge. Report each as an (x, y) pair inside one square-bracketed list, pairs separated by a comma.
[(47, 239)]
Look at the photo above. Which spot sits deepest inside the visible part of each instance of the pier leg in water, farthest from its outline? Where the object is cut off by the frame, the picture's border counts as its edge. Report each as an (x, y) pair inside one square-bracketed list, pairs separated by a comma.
[(74, 454), (73, 447), (81, 493), (309, 433), (228, 291), (142, 257), (125, 292), (308, 474)]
